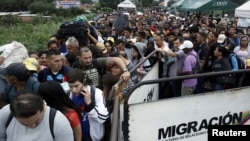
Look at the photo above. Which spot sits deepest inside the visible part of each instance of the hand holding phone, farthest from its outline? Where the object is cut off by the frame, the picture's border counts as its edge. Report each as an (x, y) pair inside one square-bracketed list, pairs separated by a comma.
[(87, 96)]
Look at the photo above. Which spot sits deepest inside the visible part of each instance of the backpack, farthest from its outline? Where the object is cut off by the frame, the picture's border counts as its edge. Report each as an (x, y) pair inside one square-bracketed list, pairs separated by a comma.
[(240, 63), (120, 22), (197, 67), (78, 30), (52, 114)]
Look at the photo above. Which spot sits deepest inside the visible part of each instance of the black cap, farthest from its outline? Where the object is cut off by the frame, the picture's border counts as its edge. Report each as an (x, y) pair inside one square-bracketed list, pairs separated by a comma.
[(15, 69)]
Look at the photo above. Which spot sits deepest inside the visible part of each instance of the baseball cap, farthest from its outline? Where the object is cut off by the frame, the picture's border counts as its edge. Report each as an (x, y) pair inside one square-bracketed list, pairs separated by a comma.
[(221, 38), (111, 39), (101, 46), (15, 69), (31, 64), (187, 44)]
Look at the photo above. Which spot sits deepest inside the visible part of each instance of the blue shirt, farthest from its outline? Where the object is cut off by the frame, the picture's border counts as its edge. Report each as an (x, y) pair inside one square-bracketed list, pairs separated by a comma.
[(80, 103), (11, 91)]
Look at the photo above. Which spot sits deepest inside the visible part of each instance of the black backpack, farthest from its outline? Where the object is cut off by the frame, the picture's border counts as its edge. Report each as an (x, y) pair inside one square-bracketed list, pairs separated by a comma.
[(52, 114), (78, 30)]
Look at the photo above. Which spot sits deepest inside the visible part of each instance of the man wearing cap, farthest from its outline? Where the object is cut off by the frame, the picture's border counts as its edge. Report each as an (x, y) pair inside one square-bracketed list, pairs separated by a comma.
[(223, 40), (189, 63), (17, 76)]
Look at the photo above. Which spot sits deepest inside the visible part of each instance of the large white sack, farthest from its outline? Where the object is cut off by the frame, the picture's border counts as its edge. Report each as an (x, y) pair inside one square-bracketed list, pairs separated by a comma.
[(13, 52)]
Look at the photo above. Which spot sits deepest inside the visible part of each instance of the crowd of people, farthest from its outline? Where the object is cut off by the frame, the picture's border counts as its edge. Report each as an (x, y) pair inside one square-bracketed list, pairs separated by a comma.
[(76, 80)]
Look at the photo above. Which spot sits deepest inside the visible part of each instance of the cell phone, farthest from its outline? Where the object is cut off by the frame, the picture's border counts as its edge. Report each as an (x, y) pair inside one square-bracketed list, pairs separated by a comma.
[(83, 91)]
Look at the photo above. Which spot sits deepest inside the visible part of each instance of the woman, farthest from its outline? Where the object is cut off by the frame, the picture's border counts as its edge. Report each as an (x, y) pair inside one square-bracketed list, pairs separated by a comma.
[(122, 89), (54, 95), (108, 81), (221, 63), (69, 59), (243, 52), (137, 57), (42, 59), (109, 47)]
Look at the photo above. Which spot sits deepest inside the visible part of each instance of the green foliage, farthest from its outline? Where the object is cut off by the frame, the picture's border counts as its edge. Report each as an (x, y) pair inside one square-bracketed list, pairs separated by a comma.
[(147, 3), (8, 5), (86, 1), (106, 9), (18, 5), (34, 34), (9, 20), (33, 37), (42, 8), (108, 3)]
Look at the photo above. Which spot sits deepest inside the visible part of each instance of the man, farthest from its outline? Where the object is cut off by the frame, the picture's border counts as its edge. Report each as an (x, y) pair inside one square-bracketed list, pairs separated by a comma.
[(52, 44), (163, 63), (127, 35), (232, 36), (121, 45), (176, 66), (188, 85), (55, 69), (94, 69), (27, 118), (142, 37), (72, 45), (91, 104), (203, 52), (19, 80)]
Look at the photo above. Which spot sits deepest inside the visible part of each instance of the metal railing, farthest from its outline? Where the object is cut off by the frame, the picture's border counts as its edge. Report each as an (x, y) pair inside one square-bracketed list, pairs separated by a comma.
[(147, 82), (115, 111)]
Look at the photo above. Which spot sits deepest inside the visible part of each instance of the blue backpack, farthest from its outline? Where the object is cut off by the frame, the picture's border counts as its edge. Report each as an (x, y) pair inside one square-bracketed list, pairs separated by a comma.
[(240, 63)]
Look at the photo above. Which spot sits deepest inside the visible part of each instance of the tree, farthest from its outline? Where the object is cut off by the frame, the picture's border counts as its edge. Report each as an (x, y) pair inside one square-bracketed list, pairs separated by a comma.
[(9, 5), (41, 7), (108, 3), (147, 3), (86, 1)]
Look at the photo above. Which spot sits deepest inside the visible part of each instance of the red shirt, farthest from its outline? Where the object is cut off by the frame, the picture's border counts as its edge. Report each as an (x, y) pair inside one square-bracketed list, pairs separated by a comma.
[(73, 118)]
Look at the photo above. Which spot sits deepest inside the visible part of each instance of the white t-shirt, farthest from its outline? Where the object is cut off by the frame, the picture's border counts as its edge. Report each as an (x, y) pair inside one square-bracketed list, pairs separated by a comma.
[(18, 132)]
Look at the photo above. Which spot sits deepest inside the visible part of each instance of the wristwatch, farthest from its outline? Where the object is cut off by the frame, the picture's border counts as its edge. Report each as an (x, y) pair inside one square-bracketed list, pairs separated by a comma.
[(125, 70)]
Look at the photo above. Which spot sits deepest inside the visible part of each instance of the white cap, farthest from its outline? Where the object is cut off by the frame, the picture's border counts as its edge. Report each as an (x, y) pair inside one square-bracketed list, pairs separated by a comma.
[(225, 15), (187, 44), (221, 38)]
